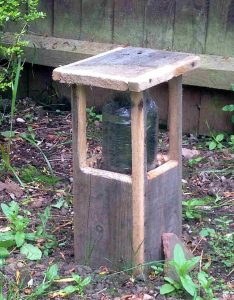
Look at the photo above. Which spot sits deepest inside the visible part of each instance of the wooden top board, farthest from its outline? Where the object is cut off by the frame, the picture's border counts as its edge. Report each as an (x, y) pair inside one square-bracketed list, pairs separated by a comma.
[(130, 68)]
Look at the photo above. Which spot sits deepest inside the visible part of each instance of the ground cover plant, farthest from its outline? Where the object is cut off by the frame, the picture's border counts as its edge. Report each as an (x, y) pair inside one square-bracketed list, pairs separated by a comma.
[(40, 214)]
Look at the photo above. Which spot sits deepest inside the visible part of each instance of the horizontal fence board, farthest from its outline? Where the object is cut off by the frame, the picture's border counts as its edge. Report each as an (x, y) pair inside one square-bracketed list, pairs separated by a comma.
[(190, 26), (129, 22), (67, 19), (159, 22), (214, 71), (220, 31), (44, 26), (97, 20)]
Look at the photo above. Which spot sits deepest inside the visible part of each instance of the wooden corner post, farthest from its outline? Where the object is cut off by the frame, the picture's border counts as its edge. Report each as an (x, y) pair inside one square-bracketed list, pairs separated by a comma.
[(138, 175)]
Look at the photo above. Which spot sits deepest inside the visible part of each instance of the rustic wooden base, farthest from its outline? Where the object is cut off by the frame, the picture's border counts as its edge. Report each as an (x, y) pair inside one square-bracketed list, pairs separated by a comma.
[(104, 215), (119, 219)]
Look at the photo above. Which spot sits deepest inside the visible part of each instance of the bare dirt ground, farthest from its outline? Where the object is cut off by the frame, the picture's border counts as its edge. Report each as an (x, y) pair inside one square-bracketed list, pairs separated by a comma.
[(211, 176)]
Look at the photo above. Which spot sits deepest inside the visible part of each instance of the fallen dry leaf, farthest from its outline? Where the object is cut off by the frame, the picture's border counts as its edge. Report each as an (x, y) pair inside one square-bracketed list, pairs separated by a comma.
[(11, 188)]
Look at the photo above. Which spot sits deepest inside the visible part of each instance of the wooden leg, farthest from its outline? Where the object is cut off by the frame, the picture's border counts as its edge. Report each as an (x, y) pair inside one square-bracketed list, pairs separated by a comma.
[(79, 154), (138, 174), (79, 126), (175, 136), (175, 119)]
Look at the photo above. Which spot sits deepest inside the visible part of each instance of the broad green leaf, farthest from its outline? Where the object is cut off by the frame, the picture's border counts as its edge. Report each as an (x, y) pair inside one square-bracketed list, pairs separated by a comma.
[(86, 281), (69, 289), (4, 252), (77, 278), (179, 257), (232, 118), (8, 134), (7, 239), (170, 280), (202, 279), (206, 232), (19, 238), (41, 289), (212, 145), (219, 137), (188, 284), (228, 107), (166, 289), (52, 272), (59, 203), (30, 236), (189, 264), (31, 252), (6, 210), (11, 210)]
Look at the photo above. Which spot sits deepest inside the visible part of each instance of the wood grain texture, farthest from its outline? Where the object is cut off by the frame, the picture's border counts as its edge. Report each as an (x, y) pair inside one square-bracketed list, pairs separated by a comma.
[(67, 19), (211, 112), (97, 20), (139, 168), (44, 26), (129, 22), (103, 222), (159, 22), (175, 119), (190, 25), (134, 69), (220, 31), (191, 109), (163, 208)]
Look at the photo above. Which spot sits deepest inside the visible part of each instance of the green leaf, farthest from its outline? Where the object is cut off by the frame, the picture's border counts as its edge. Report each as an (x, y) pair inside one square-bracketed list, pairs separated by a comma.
[(166, 289), (4, 252), (189, 264), (7, 239), (228, 107), (179, 257), (86, 281), (19, 238), (69, 289), (232, 118), (219, 137), (206, 232), (8, 134), (188, 284), (170, 280), (52, 272), (202, 277), (31, 252), (212, 145), (59, 203)]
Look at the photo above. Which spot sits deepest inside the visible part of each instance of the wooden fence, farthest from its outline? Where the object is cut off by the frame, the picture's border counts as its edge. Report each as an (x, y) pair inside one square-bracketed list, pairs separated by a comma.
[(199, 26)]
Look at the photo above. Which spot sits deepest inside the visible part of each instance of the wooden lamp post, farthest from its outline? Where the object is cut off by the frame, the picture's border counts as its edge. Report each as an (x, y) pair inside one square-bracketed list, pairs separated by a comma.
[(118, 217)]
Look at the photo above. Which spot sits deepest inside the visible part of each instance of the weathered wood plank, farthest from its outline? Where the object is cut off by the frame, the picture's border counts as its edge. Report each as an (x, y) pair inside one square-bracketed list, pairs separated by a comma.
[(97, 20), (44, 26), (159, 21), (129, 22), (139, 169), (103, 220), (162, 209), (190, 26), (134, 69), (191, 109), (214, 71), (211, 112), (220, 31), (175, 120), (67, 19)]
